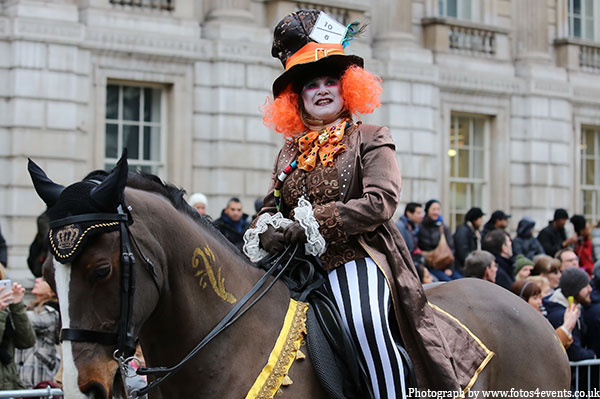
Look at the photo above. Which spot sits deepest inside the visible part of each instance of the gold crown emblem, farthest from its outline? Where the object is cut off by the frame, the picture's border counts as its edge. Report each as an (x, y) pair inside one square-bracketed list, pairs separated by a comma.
[(67, 236)]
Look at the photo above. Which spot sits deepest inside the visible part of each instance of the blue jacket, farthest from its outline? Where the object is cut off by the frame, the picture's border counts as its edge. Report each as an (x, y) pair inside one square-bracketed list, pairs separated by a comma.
[(591, 316), (524, 243), (556, 304), (409, 232)]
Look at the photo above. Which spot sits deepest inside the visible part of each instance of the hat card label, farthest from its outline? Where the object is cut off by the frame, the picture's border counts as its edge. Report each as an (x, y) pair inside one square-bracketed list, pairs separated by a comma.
[(327, 30)]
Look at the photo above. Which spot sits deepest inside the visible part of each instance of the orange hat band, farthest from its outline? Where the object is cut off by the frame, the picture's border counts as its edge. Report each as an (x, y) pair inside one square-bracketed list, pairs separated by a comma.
[(313, 51)]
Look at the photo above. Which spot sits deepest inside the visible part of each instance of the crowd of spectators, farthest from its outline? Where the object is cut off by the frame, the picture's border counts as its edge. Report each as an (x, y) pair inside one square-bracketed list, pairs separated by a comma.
[(557, 275)]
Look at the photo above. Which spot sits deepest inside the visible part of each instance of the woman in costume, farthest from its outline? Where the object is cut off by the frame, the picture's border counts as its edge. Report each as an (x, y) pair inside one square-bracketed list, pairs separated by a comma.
[(335, 187)]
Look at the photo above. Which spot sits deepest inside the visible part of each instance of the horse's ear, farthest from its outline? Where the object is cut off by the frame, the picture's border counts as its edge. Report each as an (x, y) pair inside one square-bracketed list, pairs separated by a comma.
[(109, 194), (45, 188)]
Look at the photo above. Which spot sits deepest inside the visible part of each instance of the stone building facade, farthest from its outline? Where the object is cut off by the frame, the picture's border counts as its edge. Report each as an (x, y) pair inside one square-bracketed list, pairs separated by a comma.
[(492, 103)]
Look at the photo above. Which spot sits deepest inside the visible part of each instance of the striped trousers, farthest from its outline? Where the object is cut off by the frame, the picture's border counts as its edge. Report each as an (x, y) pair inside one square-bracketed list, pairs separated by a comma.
[(363, 298)]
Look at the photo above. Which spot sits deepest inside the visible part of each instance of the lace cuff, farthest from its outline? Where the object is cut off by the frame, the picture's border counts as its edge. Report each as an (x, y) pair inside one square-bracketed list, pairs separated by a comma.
[(252, 247), (303, 214)]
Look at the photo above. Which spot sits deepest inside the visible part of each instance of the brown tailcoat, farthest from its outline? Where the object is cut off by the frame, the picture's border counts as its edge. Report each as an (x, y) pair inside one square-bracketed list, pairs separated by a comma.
[(444, 354)]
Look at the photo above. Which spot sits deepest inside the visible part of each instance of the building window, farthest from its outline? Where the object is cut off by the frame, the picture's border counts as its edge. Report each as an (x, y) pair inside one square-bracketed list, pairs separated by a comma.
[(460, 9), (134, 120), (468, 169), (581, 19), (590, 173)]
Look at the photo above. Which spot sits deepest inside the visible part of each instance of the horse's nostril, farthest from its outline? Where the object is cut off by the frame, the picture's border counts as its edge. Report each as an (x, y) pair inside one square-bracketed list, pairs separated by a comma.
[(95, 390)]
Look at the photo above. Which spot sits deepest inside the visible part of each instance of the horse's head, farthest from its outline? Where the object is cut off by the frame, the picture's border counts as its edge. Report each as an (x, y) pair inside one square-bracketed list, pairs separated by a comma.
[(87, 222)]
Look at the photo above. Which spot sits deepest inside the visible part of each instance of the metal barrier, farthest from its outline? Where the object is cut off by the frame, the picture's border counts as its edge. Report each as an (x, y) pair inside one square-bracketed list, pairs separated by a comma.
[(48, 392), (585, 376)]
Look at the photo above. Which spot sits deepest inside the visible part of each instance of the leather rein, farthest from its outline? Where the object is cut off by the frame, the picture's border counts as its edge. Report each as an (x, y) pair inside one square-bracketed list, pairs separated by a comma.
[(123, 338)]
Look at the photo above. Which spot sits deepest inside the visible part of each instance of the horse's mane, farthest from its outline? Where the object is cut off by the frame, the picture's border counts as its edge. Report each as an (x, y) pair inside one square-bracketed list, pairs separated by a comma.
[(152, 183)]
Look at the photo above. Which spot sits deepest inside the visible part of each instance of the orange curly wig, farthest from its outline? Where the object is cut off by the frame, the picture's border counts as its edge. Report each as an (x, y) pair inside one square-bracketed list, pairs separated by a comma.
[(360, 92)]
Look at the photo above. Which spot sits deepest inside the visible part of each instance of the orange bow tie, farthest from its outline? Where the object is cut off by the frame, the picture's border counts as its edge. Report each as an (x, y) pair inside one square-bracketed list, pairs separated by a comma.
[(324, 145)]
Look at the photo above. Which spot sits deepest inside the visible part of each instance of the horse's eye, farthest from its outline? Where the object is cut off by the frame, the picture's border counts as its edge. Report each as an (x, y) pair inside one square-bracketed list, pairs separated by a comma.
[(102, 272)]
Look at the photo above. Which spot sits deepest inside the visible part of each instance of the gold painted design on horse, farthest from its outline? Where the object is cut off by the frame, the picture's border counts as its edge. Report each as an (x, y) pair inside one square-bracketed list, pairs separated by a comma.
[(217, 282)]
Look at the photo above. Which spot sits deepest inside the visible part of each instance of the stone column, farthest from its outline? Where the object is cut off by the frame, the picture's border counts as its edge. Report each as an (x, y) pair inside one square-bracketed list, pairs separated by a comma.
[(229, 11), (531, 30), (392, 24)]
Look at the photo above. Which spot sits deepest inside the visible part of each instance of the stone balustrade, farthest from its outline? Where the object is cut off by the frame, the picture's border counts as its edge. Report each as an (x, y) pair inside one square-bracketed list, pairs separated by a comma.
[(578, 54), (472, 40), (157, 4), (589, 57), (465, 37)]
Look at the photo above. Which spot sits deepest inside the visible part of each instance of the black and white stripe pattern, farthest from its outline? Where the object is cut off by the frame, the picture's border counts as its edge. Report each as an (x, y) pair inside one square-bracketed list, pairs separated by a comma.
[(363, 298)]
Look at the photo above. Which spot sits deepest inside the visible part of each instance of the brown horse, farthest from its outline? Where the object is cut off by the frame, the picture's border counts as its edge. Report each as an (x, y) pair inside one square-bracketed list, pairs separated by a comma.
[(199, 277)]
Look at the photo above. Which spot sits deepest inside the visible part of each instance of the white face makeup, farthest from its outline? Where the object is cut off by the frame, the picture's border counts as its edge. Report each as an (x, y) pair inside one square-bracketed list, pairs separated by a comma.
[(322, 98)]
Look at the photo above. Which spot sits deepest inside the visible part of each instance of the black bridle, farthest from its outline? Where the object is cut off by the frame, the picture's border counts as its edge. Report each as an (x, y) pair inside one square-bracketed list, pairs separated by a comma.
[(124, 339)]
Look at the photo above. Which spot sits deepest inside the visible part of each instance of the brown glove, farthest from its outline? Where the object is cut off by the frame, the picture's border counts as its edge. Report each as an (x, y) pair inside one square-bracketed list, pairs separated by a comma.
[(272, 240), (294, 233)]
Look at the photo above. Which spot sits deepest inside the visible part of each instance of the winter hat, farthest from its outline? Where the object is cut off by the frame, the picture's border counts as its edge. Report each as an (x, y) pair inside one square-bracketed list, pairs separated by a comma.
[(197, 198), (579, 223), (521, 261), (525, 226), (560, 214), (473, 214), (572, 281), (429, 203), (499, 215)]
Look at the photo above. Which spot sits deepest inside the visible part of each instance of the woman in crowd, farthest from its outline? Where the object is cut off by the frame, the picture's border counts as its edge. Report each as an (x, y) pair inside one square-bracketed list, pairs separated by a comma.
[(41, 362), (531, 293), (548, 267), (15, 330), (583, 247), (429, 235)]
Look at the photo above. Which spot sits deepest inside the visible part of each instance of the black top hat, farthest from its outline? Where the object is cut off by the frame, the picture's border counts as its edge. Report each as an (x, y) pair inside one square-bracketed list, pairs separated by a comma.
[(302, 56)]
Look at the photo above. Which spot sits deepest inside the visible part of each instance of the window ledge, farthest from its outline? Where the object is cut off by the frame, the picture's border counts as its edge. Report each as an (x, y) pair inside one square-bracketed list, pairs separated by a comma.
[(444, 34), (463, 23), (578, 54)]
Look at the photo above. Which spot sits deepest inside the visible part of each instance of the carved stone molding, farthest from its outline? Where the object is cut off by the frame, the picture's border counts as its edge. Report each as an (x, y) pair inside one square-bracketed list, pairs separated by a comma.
[(586, 95), (47, 31), (551, 88), (413, 72), (153, 44), (479, 83)]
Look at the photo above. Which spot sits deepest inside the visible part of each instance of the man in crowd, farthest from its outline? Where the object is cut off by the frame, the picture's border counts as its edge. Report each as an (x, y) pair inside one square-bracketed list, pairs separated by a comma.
[(576, 283), (481, 264), (498, 243), (233, 222), (591, 315), (554, 236), (567, 258), (467, 237), (498, 220), (408, 224)]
